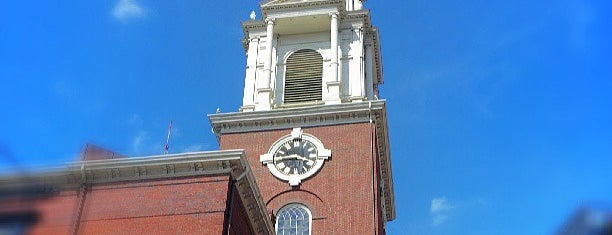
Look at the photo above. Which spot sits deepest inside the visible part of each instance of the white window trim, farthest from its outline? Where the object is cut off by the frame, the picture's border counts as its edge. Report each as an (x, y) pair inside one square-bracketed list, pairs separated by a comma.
[(297, 205)]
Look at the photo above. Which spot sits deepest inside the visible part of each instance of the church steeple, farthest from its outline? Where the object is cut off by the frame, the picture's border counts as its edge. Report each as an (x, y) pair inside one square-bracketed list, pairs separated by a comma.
[(310, 52), (311, 123)]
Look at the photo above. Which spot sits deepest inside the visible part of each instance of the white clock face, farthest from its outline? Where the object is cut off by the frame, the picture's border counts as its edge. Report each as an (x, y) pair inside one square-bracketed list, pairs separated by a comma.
[(295, 157)]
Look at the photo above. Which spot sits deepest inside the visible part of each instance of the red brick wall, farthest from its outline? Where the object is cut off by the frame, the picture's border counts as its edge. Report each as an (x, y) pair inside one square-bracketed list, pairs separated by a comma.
[(339, 195), (173, 206), (239, 222), (190, 205), (53, 213)]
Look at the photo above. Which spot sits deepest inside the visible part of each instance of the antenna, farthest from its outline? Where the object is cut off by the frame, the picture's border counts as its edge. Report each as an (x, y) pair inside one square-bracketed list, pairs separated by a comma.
[(168, 139)]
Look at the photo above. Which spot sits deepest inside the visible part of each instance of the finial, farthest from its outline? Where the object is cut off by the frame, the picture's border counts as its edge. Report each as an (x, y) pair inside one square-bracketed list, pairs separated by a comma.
[(253, 15)]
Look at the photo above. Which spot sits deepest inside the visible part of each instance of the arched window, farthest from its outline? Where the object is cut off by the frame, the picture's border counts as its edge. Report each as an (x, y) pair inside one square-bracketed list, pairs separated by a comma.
[(303, 76), (293, 219)]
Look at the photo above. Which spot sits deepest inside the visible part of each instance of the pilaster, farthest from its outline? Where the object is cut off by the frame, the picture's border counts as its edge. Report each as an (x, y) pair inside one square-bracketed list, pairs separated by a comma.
[(333, 85), (264, 92)]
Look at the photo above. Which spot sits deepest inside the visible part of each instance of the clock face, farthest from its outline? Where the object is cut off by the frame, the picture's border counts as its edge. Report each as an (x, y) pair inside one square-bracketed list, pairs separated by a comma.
[(295, 157)]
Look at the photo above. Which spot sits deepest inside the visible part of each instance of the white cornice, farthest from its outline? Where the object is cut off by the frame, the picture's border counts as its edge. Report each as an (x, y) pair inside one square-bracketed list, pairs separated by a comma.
[(321, 115), (377, 55), (287, 118), (269, 6)]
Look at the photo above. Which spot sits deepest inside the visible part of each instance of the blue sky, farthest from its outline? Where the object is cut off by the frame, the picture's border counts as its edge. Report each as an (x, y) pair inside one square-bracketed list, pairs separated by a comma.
[(499, 111)]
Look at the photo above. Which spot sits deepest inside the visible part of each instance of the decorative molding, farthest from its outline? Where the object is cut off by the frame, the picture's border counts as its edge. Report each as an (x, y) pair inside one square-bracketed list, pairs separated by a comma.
[(373, 32), (248, 26), (384, 153), (287, 118), (251, 196), (298, 4)]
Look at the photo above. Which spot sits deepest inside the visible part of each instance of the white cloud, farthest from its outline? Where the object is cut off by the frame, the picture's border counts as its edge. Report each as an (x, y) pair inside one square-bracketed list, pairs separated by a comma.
[(438, 219), (440, 205), (138, 141), (196, 147), (135, 120), (439, 210), (142, 144), (127, 9)]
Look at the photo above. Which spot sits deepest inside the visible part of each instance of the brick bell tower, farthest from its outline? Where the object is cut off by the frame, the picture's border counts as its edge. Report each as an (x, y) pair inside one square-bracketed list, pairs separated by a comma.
[(311, 123)]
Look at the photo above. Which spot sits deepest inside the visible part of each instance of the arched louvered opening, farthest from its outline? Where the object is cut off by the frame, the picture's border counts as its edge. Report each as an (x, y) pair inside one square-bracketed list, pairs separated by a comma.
[(293, 219), (303, 77)]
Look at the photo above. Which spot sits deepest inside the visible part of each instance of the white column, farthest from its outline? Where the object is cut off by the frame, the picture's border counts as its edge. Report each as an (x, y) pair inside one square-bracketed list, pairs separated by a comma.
[(333, 86), (334, 46), (357, 5), (248, 100), (349, 5), (263, 86), (357, 78), (268, 61)]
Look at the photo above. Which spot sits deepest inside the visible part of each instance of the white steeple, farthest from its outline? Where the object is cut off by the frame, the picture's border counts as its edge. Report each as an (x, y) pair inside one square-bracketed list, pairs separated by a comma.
[(310, 52)]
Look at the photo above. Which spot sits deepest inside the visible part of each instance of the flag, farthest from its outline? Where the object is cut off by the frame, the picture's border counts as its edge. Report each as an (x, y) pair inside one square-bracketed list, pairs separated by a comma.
[(168, 139)]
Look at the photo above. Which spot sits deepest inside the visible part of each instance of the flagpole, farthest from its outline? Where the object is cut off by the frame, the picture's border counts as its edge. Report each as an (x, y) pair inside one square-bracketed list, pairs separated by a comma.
[(168, 139)]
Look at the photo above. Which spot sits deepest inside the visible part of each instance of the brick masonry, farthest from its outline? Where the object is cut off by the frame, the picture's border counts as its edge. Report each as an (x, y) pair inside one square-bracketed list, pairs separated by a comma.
[(188, 205), (340, 196)]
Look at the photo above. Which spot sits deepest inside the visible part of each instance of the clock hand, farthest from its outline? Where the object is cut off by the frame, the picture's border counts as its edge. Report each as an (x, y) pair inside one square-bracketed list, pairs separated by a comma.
[(279, 158), (292, 156), (303, 158)]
